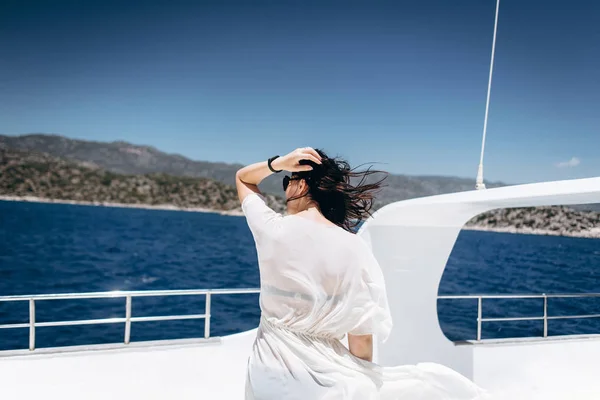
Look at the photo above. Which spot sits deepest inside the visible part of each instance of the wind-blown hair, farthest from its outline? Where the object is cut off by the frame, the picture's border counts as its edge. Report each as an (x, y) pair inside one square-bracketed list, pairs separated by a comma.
[(330, 186)]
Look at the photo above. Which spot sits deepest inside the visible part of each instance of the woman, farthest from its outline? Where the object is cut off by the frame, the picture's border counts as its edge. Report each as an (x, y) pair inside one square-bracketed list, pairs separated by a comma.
[(320, 282)]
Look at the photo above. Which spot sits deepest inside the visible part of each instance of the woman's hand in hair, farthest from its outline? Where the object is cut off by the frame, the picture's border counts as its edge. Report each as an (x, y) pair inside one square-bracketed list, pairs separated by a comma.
[(248, 178), (291, 161)]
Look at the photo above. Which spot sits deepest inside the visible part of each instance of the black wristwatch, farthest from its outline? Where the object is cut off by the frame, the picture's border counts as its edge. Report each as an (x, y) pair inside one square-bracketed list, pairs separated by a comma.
[(270, 166)]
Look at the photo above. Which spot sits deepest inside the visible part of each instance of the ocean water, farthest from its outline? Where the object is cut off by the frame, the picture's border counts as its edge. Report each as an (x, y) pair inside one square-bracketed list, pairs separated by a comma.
[(53, 248)]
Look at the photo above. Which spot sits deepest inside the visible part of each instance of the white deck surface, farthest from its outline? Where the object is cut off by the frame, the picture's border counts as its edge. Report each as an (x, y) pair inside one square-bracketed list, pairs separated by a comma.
[(525, 369), (214, 370), (561, 368)]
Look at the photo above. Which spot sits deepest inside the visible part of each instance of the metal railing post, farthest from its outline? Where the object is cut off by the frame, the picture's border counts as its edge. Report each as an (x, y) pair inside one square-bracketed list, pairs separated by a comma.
[(207, 316), (479, 316), (545, 315), (31, 324), (127, 319)]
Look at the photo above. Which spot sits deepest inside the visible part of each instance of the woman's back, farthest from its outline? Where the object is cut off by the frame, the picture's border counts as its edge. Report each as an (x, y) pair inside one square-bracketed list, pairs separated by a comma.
[(315, 278)]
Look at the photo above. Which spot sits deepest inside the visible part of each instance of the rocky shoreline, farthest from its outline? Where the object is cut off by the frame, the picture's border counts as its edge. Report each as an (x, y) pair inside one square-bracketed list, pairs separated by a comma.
[(589, 234), (550, 221), (166, 207), (28, 176)]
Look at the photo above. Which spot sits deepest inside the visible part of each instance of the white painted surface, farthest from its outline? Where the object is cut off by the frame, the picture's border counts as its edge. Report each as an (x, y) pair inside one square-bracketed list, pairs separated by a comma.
[(205, 371), (413, 239), (565, 369)]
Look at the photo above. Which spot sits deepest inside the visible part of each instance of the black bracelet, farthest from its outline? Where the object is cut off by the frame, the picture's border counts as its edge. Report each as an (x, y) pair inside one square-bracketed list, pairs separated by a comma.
[(270, 166)]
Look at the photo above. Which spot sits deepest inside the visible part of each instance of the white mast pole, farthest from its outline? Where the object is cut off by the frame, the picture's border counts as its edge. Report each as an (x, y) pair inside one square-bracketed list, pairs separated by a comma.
[(479, 182)]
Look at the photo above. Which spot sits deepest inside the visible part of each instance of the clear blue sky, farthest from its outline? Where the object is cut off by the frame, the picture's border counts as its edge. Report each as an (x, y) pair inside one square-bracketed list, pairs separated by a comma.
[(398, 82)]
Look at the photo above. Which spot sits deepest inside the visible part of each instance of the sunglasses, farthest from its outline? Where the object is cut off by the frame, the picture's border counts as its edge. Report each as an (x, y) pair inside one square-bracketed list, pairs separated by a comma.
[(287, 179)]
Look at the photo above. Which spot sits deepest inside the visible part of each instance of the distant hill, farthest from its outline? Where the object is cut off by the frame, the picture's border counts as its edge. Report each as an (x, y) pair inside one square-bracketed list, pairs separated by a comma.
[(588, 207), (121, 157), (126, 158), (33, 174)]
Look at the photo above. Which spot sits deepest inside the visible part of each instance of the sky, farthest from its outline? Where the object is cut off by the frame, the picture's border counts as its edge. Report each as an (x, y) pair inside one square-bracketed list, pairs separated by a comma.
[(399, 83)]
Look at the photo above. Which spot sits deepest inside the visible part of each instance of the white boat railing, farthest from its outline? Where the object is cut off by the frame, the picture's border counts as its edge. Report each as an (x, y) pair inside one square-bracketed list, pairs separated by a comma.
[(544, 317), (128, 319)]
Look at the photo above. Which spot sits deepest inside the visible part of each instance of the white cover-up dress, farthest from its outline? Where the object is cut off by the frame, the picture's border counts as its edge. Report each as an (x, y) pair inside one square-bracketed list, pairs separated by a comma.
[(318, 283)]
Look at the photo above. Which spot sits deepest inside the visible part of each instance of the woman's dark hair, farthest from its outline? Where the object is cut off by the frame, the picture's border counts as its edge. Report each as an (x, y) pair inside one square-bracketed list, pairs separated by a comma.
[(343, 202)]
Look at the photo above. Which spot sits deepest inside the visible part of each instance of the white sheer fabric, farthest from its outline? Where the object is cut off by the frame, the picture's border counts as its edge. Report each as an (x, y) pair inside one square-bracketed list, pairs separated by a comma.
[(319, 283)]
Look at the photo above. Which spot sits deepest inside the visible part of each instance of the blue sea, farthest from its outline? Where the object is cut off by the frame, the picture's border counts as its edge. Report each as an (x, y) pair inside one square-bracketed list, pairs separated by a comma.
[(54, 248)]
